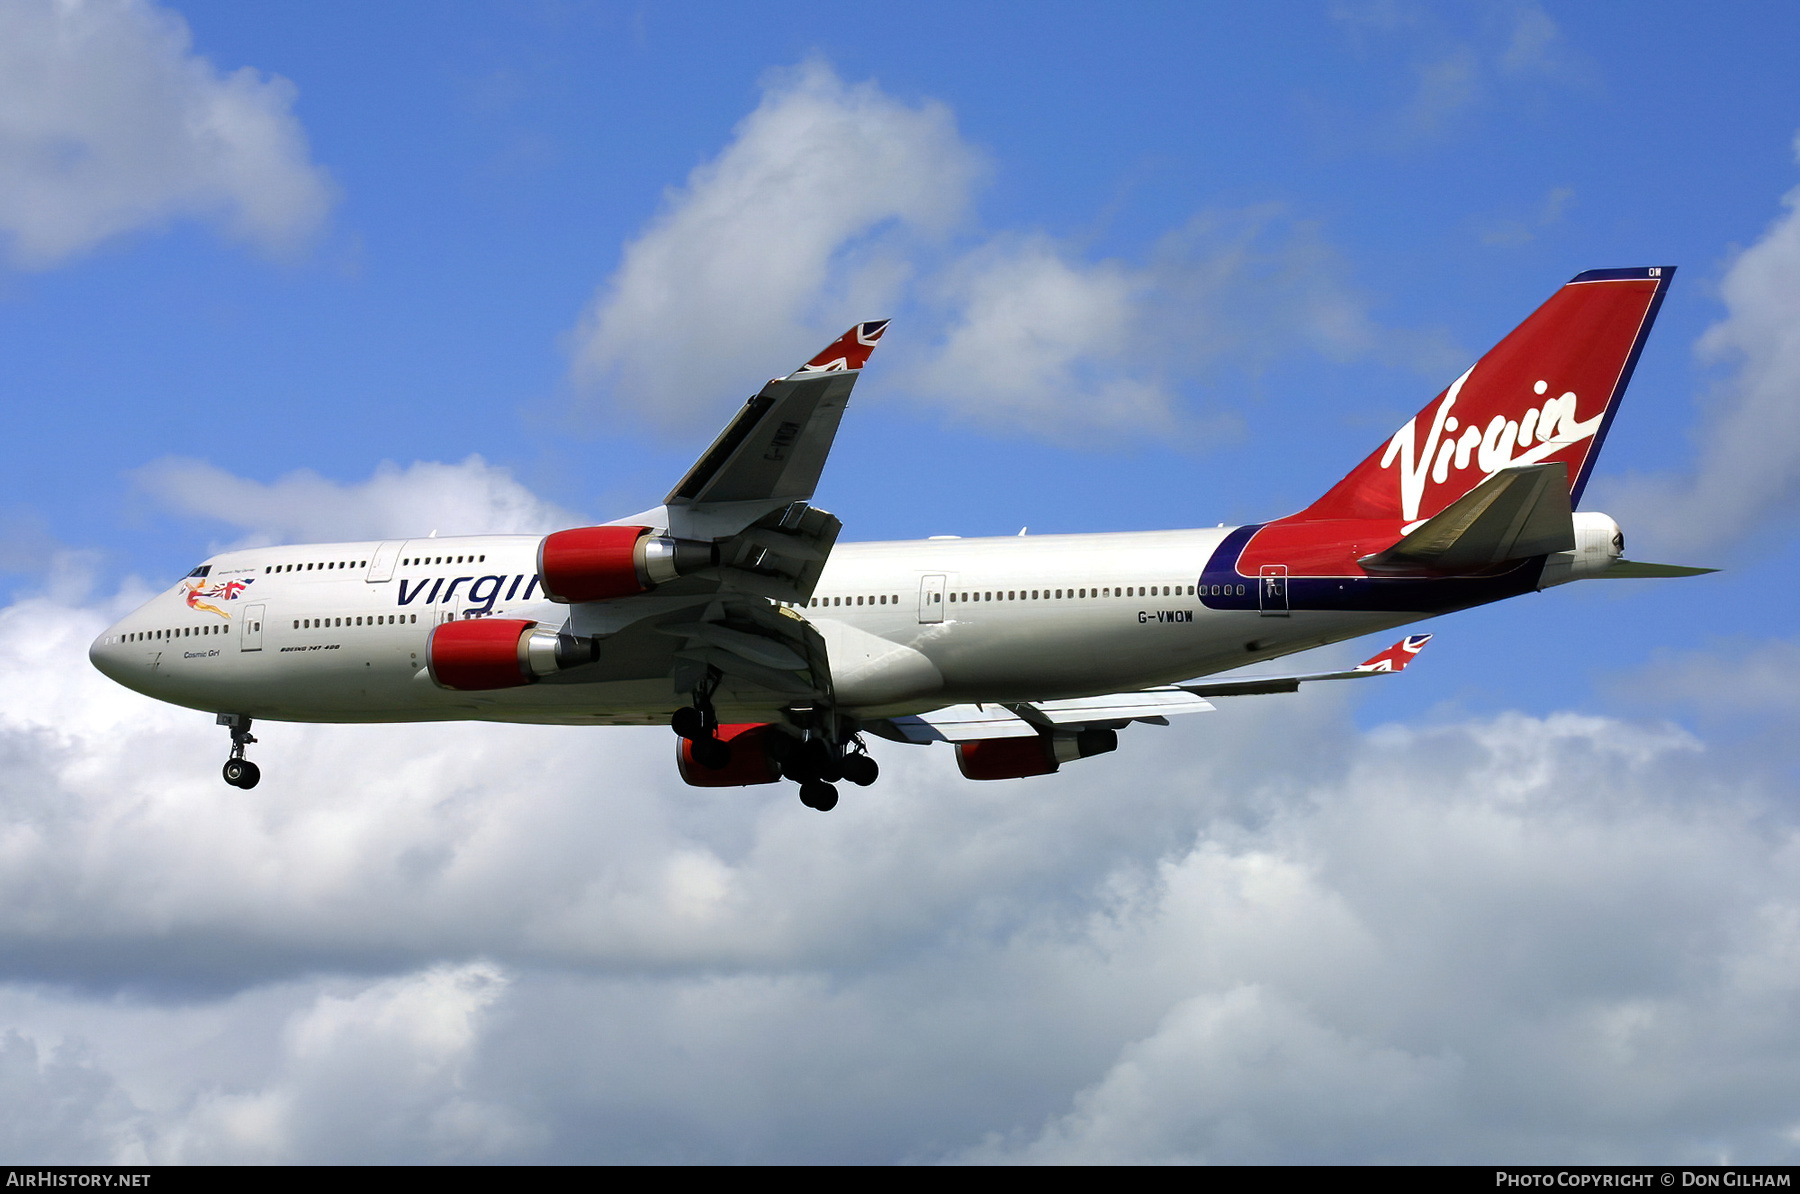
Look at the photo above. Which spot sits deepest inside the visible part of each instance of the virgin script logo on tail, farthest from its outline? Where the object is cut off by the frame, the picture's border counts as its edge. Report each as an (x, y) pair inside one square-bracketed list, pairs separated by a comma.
[(1539, 433)]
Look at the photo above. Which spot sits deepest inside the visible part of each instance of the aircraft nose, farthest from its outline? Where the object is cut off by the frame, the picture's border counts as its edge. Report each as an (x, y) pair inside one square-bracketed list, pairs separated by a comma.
[(104, 655)]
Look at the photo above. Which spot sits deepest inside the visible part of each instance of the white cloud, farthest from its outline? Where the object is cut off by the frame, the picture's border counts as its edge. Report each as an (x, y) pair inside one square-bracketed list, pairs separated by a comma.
[(832, 203), (795, 231), (59, 1108), (470, 498), (1040, 341), (1748, 470), (1509, 53), (1569, 937), (371, 1075), (110, 123)]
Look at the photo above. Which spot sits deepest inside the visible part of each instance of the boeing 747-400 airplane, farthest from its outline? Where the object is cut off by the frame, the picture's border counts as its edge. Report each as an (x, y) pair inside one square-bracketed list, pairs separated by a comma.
[(731, 613)]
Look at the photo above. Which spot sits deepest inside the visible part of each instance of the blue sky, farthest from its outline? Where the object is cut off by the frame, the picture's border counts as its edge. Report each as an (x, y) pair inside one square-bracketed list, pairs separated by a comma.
[(280, 272)]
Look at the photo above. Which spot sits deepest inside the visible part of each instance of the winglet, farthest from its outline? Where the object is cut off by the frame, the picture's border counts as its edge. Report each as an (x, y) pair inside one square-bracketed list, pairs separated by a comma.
[(849, 351), (1396, 657)]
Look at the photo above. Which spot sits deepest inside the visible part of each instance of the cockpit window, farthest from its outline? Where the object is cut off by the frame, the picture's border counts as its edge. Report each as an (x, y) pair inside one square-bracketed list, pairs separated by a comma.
[(202, 570)]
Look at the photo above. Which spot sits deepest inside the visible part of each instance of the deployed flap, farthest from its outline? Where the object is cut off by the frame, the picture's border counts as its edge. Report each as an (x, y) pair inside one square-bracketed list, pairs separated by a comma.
[(962, 723), (774, 449), (766, 645), (1121, 706), (1394, 659), (1513, 515)]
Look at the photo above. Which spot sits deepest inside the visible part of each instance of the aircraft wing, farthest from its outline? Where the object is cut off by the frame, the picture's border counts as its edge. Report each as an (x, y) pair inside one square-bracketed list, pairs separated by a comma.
[(958, 723), (977, 723), (744, 505), (1394, 659), (771, 453)]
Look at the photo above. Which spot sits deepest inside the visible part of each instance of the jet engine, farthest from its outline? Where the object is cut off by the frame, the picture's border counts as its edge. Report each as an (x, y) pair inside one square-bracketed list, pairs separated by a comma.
[(1015, 758), (484, 653), (594, 563), (757, 751)]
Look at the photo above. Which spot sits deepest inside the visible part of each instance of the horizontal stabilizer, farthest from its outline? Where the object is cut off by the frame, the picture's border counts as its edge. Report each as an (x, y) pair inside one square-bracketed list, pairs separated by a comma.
[(1392, 660), (1636, 570), (1513, 515)]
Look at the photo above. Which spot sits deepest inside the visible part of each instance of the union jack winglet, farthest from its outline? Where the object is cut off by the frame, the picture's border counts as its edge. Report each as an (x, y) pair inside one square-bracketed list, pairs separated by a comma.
[(1396, 657), (849, 351)]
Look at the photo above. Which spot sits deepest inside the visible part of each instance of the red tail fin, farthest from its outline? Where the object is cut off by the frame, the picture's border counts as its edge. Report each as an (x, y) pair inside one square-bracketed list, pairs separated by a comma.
[(1545, 393)]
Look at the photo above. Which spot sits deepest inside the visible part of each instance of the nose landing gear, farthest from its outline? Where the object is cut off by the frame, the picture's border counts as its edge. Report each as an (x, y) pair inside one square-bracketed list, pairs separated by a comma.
[(238, 771)]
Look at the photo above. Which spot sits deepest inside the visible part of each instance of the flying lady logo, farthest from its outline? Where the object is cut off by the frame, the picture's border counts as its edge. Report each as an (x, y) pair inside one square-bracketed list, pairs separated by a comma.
[(199, 592), (1541, 432)]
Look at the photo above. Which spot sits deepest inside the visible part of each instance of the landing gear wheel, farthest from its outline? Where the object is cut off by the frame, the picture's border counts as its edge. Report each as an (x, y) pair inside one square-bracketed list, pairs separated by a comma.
[(241, 773), (818, 794), (710, 753), (688, 722), (819, 762), (238, 771), (860, 770)]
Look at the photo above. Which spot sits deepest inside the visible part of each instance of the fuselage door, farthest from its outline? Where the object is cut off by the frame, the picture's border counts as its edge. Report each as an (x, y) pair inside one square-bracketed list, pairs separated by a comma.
[(1272, 590), (450, 611), (931, 599), (381, 567), (250, 628)]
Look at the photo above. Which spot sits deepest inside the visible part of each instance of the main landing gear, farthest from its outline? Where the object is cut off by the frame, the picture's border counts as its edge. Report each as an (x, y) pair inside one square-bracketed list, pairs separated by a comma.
[(816, 762), (239, 772), (817, 765), (699, 724)]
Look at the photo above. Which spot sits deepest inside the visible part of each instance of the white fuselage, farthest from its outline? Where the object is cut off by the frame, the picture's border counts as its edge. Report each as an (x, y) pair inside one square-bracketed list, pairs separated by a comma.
[(337, 632)]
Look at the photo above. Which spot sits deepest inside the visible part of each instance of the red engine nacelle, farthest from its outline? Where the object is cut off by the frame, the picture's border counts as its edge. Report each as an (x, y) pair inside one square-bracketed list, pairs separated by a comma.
[(756, 753), (595, 563), (485, 653), (1016, 758)]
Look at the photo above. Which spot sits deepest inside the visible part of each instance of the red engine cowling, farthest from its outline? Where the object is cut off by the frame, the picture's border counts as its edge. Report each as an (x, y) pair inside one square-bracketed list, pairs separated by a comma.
[(1016, 758), (485, 653), (596, 563), (756, 753)]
